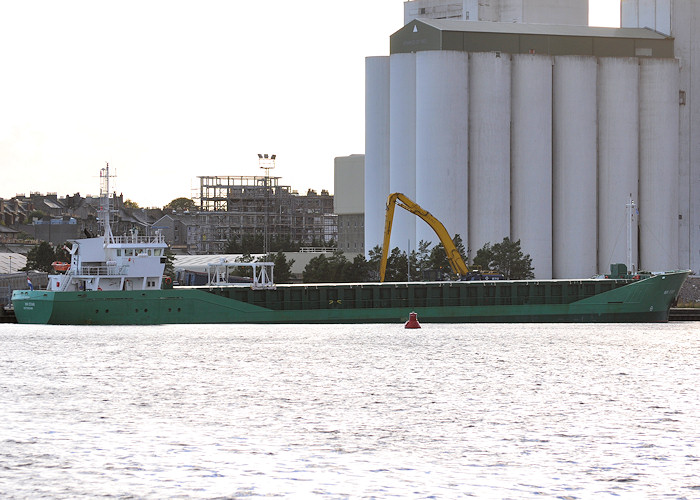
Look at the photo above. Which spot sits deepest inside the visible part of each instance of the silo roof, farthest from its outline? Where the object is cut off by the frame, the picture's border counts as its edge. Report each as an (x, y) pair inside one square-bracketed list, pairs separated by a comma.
[(541, 29), (516, 38)]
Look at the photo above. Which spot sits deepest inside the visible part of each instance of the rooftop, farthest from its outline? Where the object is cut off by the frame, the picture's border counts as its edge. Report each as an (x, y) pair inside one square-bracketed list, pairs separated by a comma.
[(540, 29), (516, 38)]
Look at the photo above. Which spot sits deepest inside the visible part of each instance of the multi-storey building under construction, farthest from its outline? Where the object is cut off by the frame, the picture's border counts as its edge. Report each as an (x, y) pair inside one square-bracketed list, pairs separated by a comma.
[(233, 207)]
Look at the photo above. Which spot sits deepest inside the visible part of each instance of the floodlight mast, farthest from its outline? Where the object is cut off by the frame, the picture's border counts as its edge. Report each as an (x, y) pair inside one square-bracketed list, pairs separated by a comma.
[(267, 163)]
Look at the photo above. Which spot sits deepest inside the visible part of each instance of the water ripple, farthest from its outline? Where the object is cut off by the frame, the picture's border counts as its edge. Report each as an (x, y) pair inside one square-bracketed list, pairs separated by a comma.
[(504, 411)]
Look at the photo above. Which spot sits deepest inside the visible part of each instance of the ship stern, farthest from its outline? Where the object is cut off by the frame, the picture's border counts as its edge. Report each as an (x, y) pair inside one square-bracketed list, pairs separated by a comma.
[(33, 306)]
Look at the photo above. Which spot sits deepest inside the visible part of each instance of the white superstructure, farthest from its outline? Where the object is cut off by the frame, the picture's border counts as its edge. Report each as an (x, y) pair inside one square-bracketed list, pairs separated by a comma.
[(108, 262), (130, 262)]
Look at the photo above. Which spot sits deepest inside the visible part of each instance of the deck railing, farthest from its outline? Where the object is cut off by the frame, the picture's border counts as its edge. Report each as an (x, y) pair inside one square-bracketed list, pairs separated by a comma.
[(139, 239), (100, 270), (317, 249)]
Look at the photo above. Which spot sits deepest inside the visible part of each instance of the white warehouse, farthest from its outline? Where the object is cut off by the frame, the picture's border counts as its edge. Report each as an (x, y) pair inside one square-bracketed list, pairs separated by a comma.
[(542, 133)]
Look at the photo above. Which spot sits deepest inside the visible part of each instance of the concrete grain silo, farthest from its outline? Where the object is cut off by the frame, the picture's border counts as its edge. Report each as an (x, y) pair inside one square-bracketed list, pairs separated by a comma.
[(618, 163), (658, 164), (489, 149), (574, 136), (559, 117), (442, 140), (679, 20), (531, 159), (376, 148), (402, 144)]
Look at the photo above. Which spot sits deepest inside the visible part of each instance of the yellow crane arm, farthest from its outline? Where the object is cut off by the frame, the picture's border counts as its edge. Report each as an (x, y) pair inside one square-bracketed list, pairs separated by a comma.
[(453, 256)]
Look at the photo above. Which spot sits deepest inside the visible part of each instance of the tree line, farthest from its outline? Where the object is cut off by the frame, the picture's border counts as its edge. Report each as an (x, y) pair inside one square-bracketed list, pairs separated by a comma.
[(427, 263), (255, 243)]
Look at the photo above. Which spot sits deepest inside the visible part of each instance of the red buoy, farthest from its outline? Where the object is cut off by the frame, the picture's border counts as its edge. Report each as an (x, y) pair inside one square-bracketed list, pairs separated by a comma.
[(412, 321)]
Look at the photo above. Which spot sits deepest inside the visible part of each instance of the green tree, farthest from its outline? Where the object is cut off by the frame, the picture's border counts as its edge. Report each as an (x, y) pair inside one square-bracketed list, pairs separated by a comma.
[(181, 203), (484, 257), (131, 204), (232, 245), (438, 264), (169, 263), (283, 267), (507, 258), (375, 255), (61, 253), (35, 214), (423, 256), (396, 265), (359, 270), (246, 257), (243, 271), (246, 244), (322, 269), (40, 258), (284, 244), (255, 243), (415, 270), (317, 270)]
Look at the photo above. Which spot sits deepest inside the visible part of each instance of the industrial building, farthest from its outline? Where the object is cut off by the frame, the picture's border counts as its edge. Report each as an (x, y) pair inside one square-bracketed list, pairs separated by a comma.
[(505, 11), (349, 202), (231, 207), (574, 140)]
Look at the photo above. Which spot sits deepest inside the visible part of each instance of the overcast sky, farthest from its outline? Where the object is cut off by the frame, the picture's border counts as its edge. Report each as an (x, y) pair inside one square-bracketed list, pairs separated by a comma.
[(168, 90)]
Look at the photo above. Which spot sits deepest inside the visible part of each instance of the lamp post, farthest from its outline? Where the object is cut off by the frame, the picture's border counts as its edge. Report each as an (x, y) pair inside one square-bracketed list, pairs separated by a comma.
[(266, 162)]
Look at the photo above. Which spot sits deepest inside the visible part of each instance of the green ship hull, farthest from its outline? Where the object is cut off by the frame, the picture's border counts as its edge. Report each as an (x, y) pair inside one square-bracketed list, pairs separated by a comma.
[(594, 300)]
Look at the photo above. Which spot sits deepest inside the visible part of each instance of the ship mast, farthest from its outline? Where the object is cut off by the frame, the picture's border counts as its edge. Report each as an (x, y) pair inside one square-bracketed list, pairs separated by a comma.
[(105, 200), (630, 219)]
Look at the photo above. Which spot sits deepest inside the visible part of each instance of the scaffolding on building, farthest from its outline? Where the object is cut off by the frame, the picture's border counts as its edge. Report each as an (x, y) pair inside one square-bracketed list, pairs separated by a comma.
[(235, 206)]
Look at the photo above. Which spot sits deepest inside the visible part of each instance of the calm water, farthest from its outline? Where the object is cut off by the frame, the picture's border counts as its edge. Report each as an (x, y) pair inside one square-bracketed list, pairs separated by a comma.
[(514, 411)]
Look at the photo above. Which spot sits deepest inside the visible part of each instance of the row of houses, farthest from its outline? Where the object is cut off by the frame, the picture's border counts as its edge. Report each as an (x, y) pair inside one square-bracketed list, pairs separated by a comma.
[(229, 208)]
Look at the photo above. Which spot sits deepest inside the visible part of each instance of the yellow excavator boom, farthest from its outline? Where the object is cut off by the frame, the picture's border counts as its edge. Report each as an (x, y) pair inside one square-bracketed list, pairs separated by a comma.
[(453, 256)]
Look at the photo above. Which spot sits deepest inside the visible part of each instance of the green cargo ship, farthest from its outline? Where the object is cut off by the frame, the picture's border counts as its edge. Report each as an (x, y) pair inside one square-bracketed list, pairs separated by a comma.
[(590, 300), (118, 280)]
